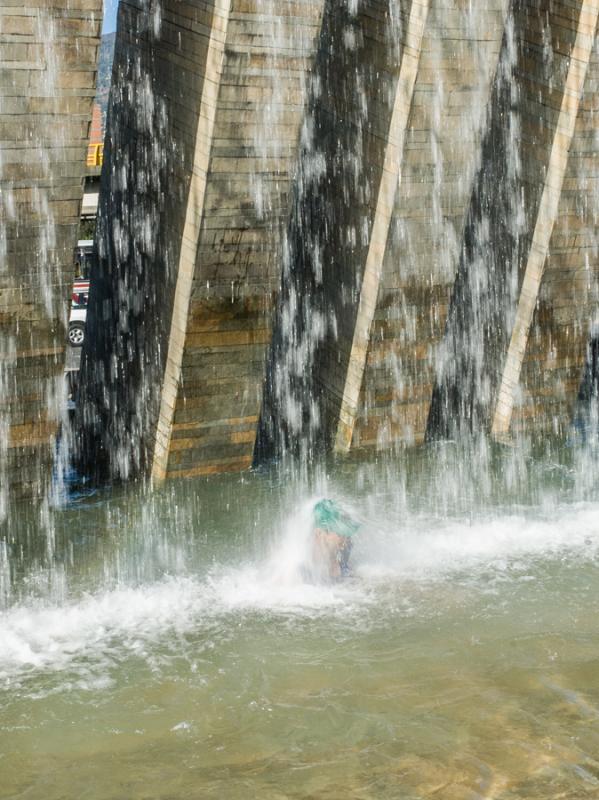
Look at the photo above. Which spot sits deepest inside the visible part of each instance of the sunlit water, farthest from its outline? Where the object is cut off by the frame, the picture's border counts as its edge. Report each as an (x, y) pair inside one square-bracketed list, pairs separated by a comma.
[(173, 650)]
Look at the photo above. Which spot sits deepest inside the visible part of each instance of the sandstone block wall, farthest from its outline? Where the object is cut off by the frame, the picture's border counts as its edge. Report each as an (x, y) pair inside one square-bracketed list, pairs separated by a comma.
[(333, 243), (47, 82), (340, 225), (513, 210), (193, 208), (566, 313), (442, 155), (269, 53)]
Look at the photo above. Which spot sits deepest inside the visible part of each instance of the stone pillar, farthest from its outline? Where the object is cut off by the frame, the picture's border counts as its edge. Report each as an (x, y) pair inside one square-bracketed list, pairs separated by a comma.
[(48, 58), (442, 154), (559, 287), (374, 241), (383, 212), (513, 209), (347, 175), (202, 140)]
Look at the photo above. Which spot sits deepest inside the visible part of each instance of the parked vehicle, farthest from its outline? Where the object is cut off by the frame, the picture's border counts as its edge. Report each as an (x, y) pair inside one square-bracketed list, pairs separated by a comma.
[(80, 292)]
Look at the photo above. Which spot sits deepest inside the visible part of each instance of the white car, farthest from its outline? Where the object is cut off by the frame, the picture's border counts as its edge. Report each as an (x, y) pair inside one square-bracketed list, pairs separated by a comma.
[(80, 293)]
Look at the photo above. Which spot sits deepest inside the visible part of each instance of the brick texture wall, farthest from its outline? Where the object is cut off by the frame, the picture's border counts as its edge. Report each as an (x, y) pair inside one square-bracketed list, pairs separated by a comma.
[(47, 82)]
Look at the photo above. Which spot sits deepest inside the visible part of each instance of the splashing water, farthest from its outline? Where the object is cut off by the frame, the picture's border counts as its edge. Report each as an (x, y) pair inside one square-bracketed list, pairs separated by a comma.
[(169, 641), (180, 622)]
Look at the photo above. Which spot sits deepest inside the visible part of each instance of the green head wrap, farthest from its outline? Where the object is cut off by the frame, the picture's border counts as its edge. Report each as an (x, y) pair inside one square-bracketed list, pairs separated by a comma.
[(329, 517)]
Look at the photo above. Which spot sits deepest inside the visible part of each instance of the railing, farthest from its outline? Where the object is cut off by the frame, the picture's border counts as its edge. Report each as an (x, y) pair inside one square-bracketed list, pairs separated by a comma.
[(95, 155)]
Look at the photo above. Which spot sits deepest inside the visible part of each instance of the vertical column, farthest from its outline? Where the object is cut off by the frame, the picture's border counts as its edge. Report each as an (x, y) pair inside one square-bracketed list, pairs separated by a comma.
[(206, 110), (348, 174), (442, 153), (547, 213), (390, 179), (512, 210), (194, 216)]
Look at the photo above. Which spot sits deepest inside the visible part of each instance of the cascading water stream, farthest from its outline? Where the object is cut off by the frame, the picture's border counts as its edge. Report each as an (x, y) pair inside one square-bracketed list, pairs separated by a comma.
[(165, 640)]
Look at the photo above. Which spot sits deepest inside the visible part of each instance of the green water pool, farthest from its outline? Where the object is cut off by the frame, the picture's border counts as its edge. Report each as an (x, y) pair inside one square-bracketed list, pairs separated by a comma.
[(169, 648)]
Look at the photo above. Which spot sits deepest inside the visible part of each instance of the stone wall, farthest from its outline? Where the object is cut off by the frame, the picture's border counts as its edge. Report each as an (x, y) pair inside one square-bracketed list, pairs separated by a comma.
[(347, 170), (442, 155), (513, 209), (180, 324), (330, 224), (565, 315), (47, 83)]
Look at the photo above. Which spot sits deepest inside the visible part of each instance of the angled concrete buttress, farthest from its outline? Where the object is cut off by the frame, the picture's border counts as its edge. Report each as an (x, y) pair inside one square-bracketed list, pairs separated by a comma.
[(442, 153), (514, 209), (374, 257), (203, 133), (347, 174), (383, 211), (48, 54), (558, 297)]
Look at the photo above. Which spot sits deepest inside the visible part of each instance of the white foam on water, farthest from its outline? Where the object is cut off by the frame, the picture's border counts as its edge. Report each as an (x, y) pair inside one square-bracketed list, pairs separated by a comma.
[(51, 636), (475, 545), (42, 636), (129, 619)]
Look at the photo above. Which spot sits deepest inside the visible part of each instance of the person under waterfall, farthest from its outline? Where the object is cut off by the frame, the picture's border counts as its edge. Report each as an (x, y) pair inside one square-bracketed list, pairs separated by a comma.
[(331, 541)]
